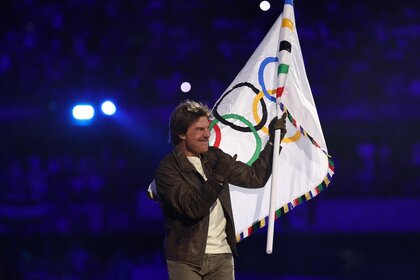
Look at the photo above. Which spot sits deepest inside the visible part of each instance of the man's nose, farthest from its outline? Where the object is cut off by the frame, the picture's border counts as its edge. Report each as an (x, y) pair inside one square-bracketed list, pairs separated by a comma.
[(207, 133)]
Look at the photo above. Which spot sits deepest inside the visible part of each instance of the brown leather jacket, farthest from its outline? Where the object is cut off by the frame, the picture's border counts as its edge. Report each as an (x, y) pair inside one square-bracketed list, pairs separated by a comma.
[(186, 199)]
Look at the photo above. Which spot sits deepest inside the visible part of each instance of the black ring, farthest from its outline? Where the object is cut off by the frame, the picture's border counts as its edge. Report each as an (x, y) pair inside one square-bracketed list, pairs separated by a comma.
[(241, 128)]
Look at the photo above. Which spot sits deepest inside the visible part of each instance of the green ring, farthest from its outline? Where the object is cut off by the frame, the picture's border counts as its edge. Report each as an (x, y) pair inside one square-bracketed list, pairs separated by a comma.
[(249, 124)]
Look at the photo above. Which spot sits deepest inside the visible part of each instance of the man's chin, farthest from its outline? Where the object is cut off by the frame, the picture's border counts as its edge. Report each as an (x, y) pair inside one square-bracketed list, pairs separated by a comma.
[(204, 149)]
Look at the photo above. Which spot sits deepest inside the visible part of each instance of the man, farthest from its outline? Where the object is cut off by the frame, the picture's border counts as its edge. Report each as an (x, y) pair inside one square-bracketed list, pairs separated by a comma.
[(192, 185)]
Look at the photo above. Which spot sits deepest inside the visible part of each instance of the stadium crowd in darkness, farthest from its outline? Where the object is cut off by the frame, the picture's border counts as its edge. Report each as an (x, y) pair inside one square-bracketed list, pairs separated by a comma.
[(359, 60)]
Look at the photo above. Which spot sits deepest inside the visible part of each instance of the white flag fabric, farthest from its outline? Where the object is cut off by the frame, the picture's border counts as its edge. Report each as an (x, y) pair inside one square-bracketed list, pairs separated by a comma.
[(242, 115)]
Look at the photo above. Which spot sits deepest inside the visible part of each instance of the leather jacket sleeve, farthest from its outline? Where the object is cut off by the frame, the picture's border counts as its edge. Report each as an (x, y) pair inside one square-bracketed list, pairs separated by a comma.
[(254, 176)]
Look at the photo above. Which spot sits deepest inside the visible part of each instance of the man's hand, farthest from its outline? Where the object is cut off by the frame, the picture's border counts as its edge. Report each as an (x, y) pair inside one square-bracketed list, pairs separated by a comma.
[(277, 124), (223, 168)]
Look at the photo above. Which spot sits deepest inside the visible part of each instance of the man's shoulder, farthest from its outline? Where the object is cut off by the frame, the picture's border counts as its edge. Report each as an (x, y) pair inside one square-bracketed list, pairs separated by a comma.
[(213, 153), (213, 149), (167, 159)]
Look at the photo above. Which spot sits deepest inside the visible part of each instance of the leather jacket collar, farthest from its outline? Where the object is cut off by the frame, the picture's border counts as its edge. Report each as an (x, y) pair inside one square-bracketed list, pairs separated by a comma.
[(183, 161)]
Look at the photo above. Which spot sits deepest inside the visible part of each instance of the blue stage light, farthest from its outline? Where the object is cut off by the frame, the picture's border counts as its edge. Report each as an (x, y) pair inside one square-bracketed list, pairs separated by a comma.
[(83, 112), (108, 108)]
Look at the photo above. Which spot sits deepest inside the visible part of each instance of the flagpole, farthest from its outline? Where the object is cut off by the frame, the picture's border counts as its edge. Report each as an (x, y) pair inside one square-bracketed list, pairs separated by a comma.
[(273, 192), (287, 26)]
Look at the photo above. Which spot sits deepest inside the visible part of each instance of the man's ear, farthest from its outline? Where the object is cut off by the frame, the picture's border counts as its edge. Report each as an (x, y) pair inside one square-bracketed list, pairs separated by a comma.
[(182, 136)]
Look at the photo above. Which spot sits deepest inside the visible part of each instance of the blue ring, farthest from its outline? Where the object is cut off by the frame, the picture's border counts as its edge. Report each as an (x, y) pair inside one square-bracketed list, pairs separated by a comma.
[(263, 64)]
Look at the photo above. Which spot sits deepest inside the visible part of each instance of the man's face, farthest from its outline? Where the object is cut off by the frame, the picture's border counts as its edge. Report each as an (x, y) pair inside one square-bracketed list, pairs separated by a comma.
[(196, 139)]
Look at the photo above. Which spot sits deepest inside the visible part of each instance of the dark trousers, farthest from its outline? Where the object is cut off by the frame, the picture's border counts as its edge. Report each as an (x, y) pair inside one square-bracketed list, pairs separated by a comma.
[(215, 267)]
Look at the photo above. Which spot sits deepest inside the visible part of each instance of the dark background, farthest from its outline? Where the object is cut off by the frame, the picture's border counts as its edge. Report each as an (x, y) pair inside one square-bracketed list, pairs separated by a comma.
[(73, 199)]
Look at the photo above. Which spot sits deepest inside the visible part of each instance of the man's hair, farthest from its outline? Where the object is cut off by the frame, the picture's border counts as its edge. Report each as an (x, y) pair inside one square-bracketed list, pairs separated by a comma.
[(183, 116)]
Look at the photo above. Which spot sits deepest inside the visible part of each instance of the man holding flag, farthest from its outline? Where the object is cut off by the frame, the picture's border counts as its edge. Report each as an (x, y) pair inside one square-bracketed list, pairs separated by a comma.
[(192, 185), (211, 200)]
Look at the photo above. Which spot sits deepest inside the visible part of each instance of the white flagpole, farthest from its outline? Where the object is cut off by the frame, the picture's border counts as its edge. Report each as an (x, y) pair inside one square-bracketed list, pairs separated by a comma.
[(284, 59), (273, 192)]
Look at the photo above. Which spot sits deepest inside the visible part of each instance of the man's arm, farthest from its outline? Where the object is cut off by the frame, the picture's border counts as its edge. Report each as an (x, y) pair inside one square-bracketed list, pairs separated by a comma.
[(256, 175), (179, 194)]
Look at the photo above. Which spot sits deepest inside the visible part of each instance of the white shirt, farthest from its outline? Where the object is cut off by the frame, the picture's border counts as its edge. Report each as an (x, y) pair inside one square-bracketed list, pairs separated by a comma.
[(216, 237)]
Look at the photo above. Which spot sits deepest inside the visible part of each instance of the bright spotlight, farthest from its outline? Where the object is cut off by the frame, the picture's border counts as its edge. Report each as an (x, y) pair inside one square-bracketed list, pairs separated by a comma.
[(108, 108), (83, 112), (265, 5), (185, 87)]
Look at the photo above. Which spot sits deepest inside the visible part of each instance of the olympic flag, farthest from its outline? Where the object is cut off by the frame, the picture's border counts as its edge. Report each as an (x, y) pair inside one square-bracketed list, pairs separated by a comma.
[(274, 79)]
